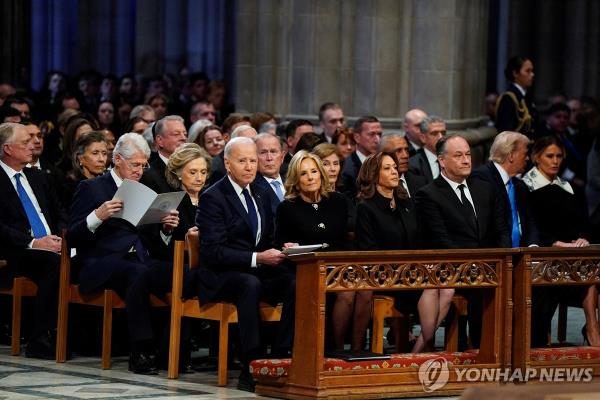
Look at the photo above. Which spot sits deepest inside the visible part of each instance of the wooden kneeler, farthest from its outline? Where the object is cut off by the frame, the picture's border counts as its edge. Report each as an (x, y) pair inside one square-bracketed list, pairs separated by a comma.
[(21, 287), (106, 298), (224, 313)]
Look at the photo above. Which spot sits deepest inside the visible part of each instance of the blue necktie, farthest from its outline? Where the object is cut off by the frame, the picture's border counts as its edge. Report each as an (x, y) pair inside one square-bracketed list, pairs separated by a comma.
[(277, 186), (37, 226), (516, 235), (251, 212)]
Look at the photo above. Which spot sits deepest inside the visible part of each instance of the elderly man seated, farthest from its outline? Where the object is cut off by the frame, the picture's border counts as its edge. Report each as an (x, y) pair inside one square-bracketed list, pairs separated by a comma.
[(113, 253)]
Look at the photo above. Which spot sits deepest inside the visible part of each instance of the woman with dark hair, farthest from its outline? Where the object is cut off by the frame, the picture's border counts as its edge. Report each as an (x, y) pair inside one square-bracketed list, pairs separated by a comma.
[(211, 139), (160, 105), (343, 138), (309, 141), (136, 125), (514, 111), (385, 220), (90, 153), (562, 222), (77, 127)]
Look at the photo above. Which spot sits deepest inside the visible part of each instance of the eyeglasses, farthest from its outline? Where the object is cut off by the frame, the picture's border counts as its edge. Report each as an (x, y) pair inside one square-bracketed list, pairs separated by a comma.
[(136, 165)]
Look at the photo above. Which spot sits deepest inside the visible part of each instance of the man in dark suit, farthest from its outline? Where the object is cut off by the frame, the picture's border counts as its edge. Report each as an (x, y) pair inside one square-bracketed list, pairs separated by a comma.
[(30, 221), (169, 133), (398, 144), (411, 123), (457, 212), (425, 163), (112, 252), (367, 134), (53, 174), (270, 157), (508, 157), (331, 118), (238, 263)]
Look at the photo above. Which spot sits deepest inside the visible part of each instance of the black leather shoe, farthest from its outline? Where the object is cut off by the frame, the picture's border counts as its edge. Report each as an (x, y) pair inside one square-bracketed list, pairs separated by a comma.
[(142, 363), (245, 381), (41, 347)]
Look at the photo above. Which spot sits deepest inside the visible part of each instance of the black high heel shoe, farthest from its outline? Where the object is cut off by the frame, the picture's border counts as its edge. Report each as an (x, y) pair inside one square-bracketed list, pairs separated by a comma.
[(584, 334)]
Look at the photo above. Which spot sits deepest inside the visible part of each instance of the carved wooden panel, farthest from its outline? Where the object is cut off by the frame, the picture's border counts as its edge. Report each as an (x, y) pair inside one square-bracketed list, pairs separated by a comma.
[(412, 275), (565, 270)]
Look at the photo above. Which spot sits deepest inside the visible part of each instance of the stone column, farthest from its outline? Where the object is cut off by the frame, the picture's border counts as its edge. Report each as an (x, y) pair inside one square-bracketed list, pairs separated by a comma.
[(377, 57)]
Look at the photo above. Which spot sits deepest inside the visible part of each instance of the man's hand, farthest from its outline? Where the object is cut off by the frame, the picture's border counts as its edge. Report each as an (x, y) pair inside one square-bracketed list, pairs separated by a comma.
[(289, 245), (108, 209), (170, 222), (270, 257), (50, 242)]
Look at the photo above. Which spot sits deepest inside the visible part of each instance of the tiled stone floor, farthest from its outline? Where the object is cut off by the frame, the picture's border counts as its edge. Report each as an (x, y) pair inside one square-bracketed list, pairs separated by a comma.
[(82, 378)]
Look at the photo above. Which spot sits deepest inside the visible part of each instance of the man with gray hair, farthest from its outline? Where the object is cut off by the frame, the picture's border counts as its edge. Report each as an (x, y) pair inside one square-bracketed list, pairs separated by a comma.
[(30, 221), (239, 263), (508, 158), (412, 120), (169, 133), (113, 253), (270, 158), (425, 162), (145, 112)]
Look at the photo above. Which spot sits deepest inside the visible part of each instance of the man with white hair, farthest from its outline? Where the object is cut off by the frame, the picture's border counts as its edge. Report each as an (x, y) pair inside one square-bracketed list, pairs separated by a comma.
[(239, 263), (412, 120), (113, 253), (169, 133), (30, 222)]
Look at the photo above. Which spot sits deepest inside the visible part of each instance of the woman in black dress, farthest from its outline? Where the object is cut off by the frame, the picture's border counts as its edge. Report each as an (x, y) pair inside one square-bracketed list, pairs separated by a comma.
[(313, 214), (561, 221), (385, 215)]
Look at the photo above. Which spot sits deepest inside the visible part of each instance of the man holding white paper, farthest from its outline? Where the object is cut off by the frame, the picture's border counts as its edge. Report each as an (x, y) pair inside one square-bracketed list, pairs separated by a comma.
[(112, 251)]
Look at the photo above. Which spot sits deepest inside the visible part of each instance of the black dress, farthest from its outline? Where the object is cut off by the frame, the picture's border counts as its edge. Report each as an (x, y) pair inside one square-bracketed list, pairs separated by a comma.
[(313, 223), (378, 227)]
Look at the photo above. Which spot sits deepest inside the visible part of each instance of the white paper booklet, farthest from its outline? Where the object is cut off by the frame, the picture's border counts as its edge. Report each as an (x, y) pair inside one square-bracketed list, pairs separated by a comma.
[(142, 205)]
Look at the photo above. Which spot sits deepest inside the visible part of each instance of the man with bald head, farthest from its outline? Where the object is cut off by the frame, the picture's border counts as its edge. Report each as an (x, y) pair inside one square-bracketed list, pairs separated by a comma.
[(238, 261), (412, 120)]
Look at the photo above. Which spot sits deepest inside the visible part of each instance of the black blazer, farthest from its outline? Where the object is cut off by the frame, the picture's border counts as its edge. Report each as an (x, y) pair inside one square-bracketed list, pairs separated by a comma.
[(378, 227), (352, 165), (414, 182), (444, 225), (419, 165), (154, 177), (529, 231), (226, 238), (217, 168), (99, 252), (15, 231)]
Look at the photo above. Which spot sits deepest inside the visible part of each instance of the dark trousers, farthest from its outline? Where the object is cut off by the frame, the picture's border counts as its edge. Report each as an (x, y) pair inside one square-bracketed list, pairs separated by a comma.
[(135, 281), (42, 267), (246, 291)]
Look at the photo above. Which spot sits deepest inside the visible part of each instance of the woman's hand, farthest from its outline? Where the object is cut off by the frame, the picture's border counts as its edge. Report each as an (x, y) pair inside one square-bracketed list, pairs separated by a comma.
[(108, 209)]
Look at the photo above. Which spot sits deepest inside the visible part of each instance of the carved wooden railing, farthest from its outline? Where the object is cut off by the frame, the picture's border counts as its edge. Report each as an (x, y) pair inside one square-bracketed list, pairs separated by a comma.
[(318, 273), (543, 266)]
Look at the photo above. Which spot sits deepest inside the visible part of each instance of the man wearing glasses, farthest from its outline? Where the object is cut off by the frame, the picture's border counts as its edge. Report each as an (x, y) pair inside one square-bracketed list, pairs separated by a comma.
[(425, 162), (113, 253)]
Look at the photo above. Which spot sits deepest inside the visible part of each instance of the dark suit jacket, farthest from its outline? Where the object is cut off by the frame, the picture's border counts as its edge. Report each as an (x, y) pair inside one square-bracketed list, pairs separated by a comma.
[(99, 252), (154, 177), (352, 165), (378, 227), (15, 231), (226, 238), (529, 230), (414, 182), (266, 186), (506, 113), (217, 168), (443, 222), (419, 165)]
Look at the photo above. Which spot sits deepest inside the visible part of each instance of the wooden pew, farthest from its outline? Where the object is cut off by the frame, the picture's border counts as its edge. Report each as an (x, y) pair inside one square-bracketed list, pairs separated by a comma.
[(319, 273), (551, 266)]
